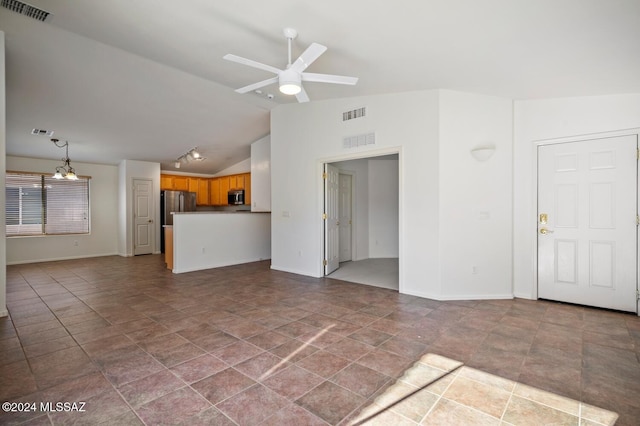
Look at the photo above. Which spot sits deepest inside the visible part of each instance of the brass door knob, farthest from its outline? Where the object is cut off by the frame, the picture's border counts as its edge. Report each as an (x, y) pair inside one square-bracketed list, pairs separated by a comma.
[(545, 231)]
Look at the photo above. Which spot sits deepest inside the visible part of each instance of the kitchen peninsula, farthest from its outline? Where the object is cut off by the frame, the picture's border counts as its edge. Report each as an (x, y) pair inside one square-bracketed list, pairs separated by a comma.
[(211, 239)]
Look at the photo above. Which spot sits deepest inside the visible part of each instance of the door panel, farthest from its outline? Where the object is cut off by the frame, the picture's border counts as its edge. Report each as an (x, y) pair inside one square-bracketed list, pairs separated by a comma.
[(587, 231), (345, 217), (332, 221), (143, 217)]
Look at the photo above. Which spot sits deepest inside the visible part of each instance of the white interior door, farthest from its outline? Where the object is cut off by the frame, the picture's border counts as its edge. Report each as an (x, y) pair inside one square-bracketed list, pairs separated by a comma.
[(587, 222), (332, 220), (143, 225), (345, 218)]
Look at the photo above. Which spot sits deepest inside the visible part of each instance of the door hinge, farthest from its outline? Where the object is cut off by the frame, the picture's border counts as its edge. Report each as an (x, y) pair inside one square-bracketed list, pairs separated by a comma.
[(324, 175), (637, 220), (324, 262), (324, 216), (637, 294), (638, 154)]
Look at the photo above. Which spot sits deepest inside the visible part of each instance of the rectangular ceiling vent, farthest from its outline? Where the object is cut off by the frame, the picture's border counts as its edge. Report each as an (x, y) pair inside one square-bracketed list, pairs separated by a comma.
[(42, 132), (359, 140), (25, 9), (354, 113)]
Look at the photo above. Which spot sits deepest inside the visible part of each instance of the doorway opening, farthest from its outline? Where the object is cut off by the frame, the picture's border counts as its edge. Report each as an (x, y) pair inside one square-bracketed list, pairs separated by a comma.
[(361, 228)]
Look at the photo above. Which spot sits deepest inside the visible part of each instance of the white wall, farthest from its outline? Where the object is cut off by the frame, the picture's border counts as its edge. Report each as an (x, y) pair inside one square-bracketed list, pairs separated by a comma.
[(261, 175), (210, 240), (129, 170), (243, 166), (303, 136), (475, 197), (429, 130), (547, 119), (3, 149), (383, 208), (103, 197)]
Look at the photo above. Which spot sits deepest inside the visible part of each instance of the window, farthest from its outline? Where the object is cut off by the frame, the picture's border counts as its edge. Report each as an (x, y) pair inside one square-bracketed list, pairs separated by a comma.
[(38, 204)]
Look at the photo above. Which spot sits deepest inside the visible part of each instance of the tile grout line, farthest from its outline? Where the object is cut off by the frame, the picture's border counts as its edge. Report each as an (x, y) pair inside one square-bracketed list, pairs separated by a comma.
[(409, 395)]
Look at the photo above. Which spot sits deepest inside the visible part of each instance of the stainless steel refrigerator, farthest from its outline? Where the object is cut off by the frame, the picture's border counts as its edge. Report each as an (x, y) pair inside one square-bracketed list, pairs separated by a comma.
[(174, 201)]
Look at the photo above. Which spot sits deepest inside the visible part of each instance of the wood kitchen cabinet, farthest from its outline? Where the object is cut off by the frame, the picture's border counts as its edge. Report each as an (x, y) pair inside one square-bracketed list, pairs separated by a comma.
[(181, 183), (174, 183), (187, 183), (201, 187), (209, 191), (214, 191), (203, 192), (225, 186), (193, 184), (166, 182)]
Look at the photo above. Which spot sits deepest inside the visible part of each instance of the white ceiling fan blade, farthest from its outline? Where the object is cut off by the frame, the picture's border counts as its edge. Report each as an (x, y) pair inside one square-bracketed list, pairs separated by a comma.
[(329, 78), (312, 53), (249, 62), (257, 85), (302, 96)]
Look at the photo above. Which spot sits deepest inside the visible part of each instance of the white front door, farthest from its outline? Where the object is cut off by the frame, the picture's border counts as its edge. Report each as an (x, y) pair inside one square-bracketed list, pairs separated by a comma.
[(331, 219), (345, 217), (143, 226), (587, 222)]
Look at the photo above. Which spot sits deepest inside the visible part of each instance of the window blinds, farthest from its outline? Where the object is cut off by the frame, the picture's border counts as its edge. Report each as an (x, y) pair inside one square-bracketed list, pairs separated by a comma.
[(37, 204)]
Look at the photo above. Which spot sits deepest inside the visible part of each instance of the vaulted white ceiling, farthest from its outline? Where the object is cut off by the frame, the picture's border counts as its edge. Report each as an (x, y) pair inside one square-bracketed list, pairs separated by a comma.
[(145, 79)]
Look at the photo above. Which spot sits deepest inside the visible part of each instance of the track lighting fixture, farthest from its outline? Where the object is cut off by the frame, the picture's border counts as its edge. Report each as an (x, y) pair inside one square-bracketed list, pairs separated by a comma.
[(65, 171), (192, 154)]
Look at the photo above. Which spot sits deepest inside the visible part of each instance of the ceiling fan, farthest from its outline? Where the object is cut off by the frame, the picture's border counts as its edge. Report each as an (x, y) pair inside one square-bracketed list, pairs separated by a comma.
[(290, 79)]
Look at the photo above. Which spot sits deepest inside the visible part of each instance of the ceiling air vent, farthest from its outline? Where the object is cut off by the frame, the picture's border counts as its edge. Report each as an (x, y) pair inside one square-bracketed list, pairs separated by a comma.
[(41, 132), (25, 9), (354, 113)]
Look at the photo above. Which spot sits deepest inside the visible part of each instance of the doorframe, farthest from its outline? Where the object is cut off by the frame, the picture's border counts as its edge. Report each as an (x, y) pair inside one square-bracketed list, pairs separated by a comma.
[(320, 201), (534, 211)]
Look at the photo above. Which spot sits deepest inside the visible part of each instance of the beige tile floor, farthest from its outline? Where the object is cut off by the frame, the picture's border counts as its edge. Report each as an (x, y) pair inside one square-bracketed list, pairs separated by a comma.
[(379, 272), (248, 345), (440, 391)]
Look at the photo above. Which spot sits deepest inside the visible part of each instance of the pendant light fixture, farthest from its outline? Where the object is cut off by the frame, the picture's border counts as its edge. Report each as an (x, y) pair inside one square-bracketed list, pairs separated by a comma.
[(65, 171)]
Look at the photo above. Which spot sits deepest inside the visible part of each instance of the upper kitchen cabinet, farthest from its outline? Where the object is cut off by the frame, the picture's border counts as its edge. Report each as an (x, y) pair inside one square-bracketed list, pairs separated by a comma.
[(203, 192), (225, 186), (209, 191), (174, 183), (181, 183), (214, 192), (201, 187)]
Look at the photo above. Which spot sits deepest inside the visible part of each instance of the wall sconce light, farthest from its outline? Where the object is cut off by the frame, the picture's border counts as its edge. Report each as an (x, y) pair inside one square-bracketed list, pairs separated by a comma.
[(483, 153), (65, 171), (192, 154)]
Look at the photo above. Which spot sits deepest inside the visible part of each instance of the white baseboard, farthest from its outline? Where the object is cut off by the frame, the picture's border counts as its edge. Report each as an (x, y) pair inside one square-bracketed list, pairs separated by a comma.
[(293, 271), (56, 259)]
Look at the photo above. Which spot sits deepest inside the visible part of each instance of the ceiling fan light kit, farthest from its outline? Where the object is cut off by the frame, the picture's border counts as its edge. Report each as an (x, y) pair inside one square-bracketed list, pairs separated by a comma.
[(290, 79), (290, 82)]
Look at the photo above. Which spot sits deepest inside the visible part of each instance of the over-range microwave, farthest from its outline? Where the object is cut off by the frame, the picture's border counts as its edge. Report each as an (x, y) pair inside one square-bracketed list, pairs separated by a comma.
[(236, 196)]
